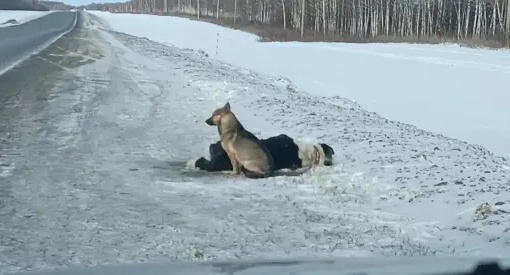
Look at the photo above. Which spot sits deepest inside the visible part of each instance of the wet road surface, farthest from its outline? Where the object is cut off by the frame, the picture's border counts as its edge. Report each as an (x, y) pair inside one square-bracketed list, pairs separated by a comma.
[(19, 40)]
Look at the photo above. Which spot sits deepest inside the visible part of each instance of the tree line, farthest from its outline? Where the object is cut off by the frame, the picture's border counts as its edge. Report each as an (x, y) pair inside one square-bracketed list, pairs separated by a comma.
[(22, 5), (452, 20), (55, 5)]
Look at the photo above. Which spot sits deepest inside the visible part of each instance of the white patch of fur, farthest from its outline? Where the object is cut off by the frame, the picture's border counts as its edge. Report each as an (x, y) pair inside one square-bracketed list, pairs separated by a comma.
[(190, 164), (307, 153), (321, 154)]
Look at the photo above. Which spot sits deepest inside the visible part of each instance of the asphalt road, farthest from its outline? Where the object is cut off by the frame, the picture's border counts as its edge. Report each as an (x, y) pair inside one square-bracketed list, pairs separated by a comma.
[(21, 40), (26, 89)]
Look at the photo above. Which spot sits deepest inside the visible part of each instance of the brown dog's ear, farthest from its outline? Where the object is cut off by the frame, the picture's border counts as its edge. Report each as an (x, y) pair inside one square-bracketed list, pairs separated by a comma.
[(227, 107)]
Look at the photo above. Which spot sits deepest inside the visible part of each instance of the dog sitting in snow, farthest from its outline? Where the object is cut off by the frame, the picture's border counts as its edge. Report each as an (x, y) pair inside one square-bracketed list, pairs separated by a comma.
[(287, 154), (242, 149)]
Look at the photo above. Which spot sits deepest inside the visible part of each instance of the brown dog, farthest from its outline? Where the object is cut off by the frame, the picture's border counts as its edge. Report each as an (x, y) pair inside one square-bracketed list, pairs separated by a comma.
[(244, 149)]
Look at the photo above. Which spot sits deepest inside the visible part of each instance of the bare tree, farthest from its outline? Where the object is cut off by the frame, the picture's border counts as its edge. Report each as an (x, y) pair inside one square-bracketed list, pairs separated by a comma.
[(198, 9), (302, 25)]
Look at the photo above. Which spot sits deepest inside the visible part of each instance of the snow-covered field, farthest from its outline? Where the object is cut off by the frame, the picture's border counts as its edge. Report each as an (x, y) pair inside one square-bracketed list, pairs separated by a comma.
[(20, 16), (458, 92), (99, 177)]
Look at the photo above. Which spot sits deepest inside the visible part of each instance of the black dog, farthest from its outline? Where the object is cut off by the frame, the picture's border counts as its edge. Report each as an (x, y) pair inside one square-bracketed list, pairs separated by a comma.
[(287, 154)]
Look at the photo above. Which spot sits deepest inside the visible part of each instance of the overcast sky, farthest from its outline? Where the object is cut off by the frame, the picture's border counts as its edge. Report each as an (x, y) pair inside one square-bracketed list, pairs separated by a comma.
[(85, 2)]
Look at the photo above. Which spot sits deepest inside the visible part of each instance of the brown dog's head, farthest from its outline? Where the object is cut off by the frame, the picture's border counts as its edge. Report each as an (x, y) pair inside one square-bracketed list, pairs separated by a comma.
[(218, 114)]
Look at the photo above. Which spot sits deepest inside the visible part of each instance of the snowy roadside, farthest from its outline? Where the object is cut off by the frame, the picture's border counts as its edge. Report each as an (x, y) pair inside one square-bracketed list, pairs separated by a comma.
[(366, 72), (393, 182), (285, 216), (98, 170)]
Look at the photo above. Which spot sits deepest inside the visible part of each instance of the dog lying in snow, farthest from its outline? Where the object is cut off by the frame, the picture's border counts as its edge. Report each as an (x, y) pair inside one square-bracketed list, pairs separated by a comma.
[(287, 154)]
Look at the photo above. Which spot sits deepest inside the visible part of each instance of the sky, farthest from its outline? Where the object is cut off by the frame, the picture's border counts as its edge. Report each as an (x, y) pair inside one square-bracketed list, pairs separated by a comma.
[(85, 2)]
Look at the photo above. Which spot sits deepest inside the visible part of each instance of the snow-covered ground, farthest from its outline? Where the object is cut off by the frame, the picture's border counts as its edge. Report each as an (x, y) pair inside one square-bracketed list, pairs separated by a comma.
[(20, 16), (458, 92), (98, 176)]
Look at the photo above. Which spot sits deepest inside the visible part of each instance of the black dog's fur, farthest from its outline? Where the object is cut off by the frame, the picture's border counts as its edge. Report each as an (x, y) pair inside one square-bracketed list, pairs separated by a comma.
[(284, 150)]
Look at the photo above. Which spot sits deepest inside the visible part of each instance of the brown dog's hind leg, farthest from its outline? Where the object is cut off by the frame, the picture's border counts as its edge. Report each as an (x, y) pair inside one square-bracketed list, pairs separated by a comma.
[(252, 167), (254, 171), (235, 164)]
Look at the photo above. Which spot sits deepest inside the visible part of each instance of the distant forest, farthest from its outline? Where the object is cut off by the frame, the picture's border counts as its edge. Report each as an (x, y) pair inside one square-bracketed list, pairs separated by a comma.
[(474, 22), (54, 5), (22, 5), (33, 5)]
